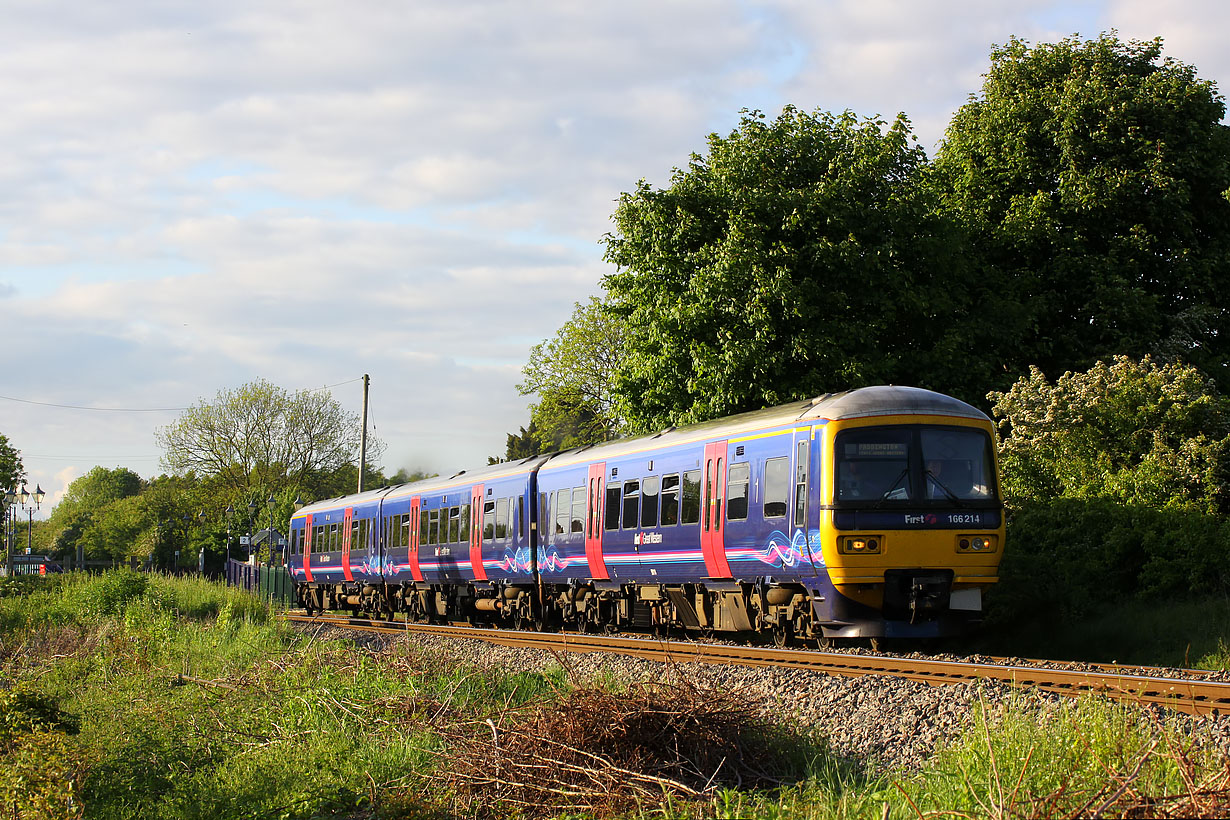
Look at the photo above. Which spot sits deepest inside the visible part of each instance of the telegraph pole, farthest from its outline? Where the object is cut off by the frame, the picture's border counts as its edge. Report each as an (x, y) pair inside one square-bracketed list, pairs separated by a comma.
[(363, 434)]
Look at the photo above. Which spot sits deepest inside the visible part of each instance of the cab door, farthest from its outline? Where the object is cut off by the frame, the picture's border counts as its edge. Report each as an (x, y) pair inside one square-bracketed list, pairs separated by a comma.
[(800, 506), (712, 518)]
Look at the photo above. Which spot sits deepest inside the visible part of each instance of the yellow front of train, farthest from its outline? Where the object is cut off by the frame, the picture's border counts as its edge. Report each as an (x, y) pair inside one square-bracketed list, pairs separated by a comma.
[(912, 521)]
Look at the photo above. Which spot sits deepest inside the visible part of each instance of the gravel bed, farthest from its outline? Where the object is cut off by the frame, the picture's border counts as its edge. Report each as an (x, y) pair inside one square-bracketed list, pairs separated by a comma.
[(879, 722)]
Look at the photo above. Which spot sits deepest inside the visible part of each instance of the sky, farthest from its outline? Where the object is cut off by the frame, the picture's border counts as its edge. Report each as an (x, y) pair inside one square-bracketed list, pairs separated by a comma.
[(197, 195)]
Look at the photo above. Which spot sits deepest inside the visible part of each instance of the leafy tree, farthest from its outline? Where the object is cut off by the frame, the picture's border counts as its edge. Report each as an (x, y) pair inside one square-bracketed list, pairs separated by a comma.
[(1134, 432), (77, 519), (11, 470), (264, 435), (1094, 178), (573, 375), (798, 256)]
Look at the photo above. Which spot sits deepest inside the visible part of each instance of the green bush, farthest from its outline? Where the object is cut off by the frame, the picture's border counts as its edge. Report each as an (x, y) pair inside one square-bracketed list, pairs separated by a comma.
[(1068, 558)]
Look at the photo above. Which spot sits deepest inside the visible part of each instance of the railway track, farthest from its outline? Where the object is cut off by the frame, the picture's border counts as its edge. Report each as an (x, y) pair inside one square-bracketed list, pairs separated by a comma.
[(1138, 685)]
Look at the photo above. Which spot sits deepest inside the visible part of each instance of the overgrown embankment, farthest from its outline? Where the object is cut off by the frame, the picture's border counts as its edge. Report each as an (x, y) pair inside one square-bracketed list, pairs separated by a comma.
[(130, 696)]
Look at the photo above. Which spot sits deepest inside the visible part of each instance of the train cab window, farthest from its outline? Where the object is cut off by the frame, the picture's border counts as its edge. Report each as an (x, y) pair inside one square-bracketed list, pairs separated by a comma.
[(488, 520), (563, 511), (454, 524), (776, 487), (632, 504), (873, 465), (649, 502), (463, 522), (578, 509), (501, 519), (956, 464), (691, 497), (801, 464), (737, 481), (670, 500), (613, 492)]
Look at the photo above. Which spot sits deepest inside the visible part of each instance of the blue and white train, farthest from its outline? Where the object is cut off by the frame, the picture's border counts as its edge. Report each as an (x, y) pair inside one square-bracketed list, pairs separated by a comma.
[(871, 513)]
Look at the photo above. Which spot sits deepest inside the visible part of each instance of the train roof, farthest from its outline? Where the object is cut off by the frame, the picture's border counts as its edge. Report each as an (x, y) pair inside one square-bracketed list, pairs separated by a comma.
[(881, 400), (463, 478)]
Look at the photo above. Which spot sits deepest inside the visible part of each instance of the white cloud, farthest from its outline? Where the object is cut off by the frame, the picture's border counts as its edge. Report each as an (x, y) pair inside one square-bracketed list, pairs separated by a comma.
[(195, 196)]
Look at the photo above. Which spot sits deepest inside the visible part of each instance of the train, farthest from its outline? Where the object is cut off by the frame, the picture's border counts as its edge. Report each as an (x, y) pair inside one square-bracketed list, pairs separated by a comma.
[(874, 513)]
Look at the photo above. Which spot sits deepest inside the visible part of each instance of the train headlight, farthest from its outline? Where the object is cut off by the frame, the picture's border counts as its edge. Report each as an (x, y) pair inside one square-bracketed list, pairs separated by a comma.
[(862, 544), (976, 543)]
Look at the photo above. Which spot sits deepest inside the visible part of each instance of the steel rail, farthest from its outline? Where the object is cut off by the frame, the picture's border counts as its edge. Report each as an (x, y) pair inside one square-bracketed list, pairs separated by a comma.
[(1191, 696)]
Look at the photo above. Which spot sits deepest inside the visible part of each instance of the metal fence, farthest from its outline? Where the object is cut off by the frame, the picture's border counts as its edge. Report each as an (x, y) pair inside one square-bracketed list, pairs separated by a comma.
[(270, 583)]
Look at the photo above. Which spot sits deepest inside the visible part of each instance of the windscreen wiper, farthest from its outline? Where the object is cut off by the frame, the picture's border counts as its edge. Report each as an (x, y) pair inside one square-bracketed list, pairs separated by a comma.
[(892, 488), (951, 495)]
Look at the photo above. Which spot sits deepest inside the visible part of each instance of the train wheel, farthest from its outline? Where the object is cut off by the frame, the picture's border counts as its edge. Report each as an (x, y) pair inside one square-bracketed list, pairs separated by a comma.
[(782, 633)]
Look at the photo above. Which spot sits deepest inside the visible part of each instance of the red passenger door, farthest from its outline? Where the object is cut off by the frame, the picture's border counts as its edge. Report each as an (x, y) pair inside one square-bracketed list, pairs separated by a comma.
[(712, 516), (476, 533), (307, 548), (412, 553), (593, 522), (347, 522)]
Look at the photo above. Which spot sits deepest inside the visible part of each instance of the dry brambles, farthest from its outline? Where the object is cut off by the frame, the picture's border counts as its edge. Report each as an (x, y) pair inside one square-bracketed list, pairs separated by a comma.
[(603, 752)]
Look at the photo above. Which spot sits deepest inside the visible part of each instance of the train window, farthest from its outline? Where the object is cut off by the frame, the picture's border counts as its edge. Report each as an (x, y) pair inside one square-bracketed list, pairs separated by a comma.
[(361, 533), (801, 464), (488, 520), (776, 487), (691, 497), (649, 503), (632, 504), (334, 541), (563, 511), (543, 522), (578, 509), (423, 527), (525, 533), (613, 492), (501, 518), (708, 511), (670, 500), (463, 522), (433, 527), (736, 491), (454, 524)]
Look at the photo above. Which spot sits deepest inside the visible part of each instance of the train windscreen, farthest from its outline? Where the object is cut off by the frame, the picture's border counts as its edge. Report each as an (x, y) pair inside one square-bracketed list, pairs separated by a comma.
[(914, 464)]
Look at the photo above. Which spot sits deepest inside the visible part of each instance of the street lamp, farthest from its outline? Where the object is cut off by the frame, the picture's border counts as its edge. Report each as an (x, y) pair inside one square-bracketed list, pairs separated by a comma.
[(31, 502), (6, 526), (251, 518), (187, 519), (229, 514), (271, 503)]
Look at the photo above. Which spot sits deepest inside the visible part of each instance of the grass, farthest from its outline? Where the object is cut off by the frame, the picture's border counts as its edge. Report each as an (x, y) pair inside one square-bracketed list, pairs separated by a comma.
[(132, 696)]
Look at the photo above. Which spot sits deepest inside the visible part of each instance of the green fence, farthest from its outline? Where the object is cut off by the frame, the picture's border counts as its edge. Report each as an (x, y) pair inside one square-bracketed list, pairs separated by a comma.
[(270, 583)]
